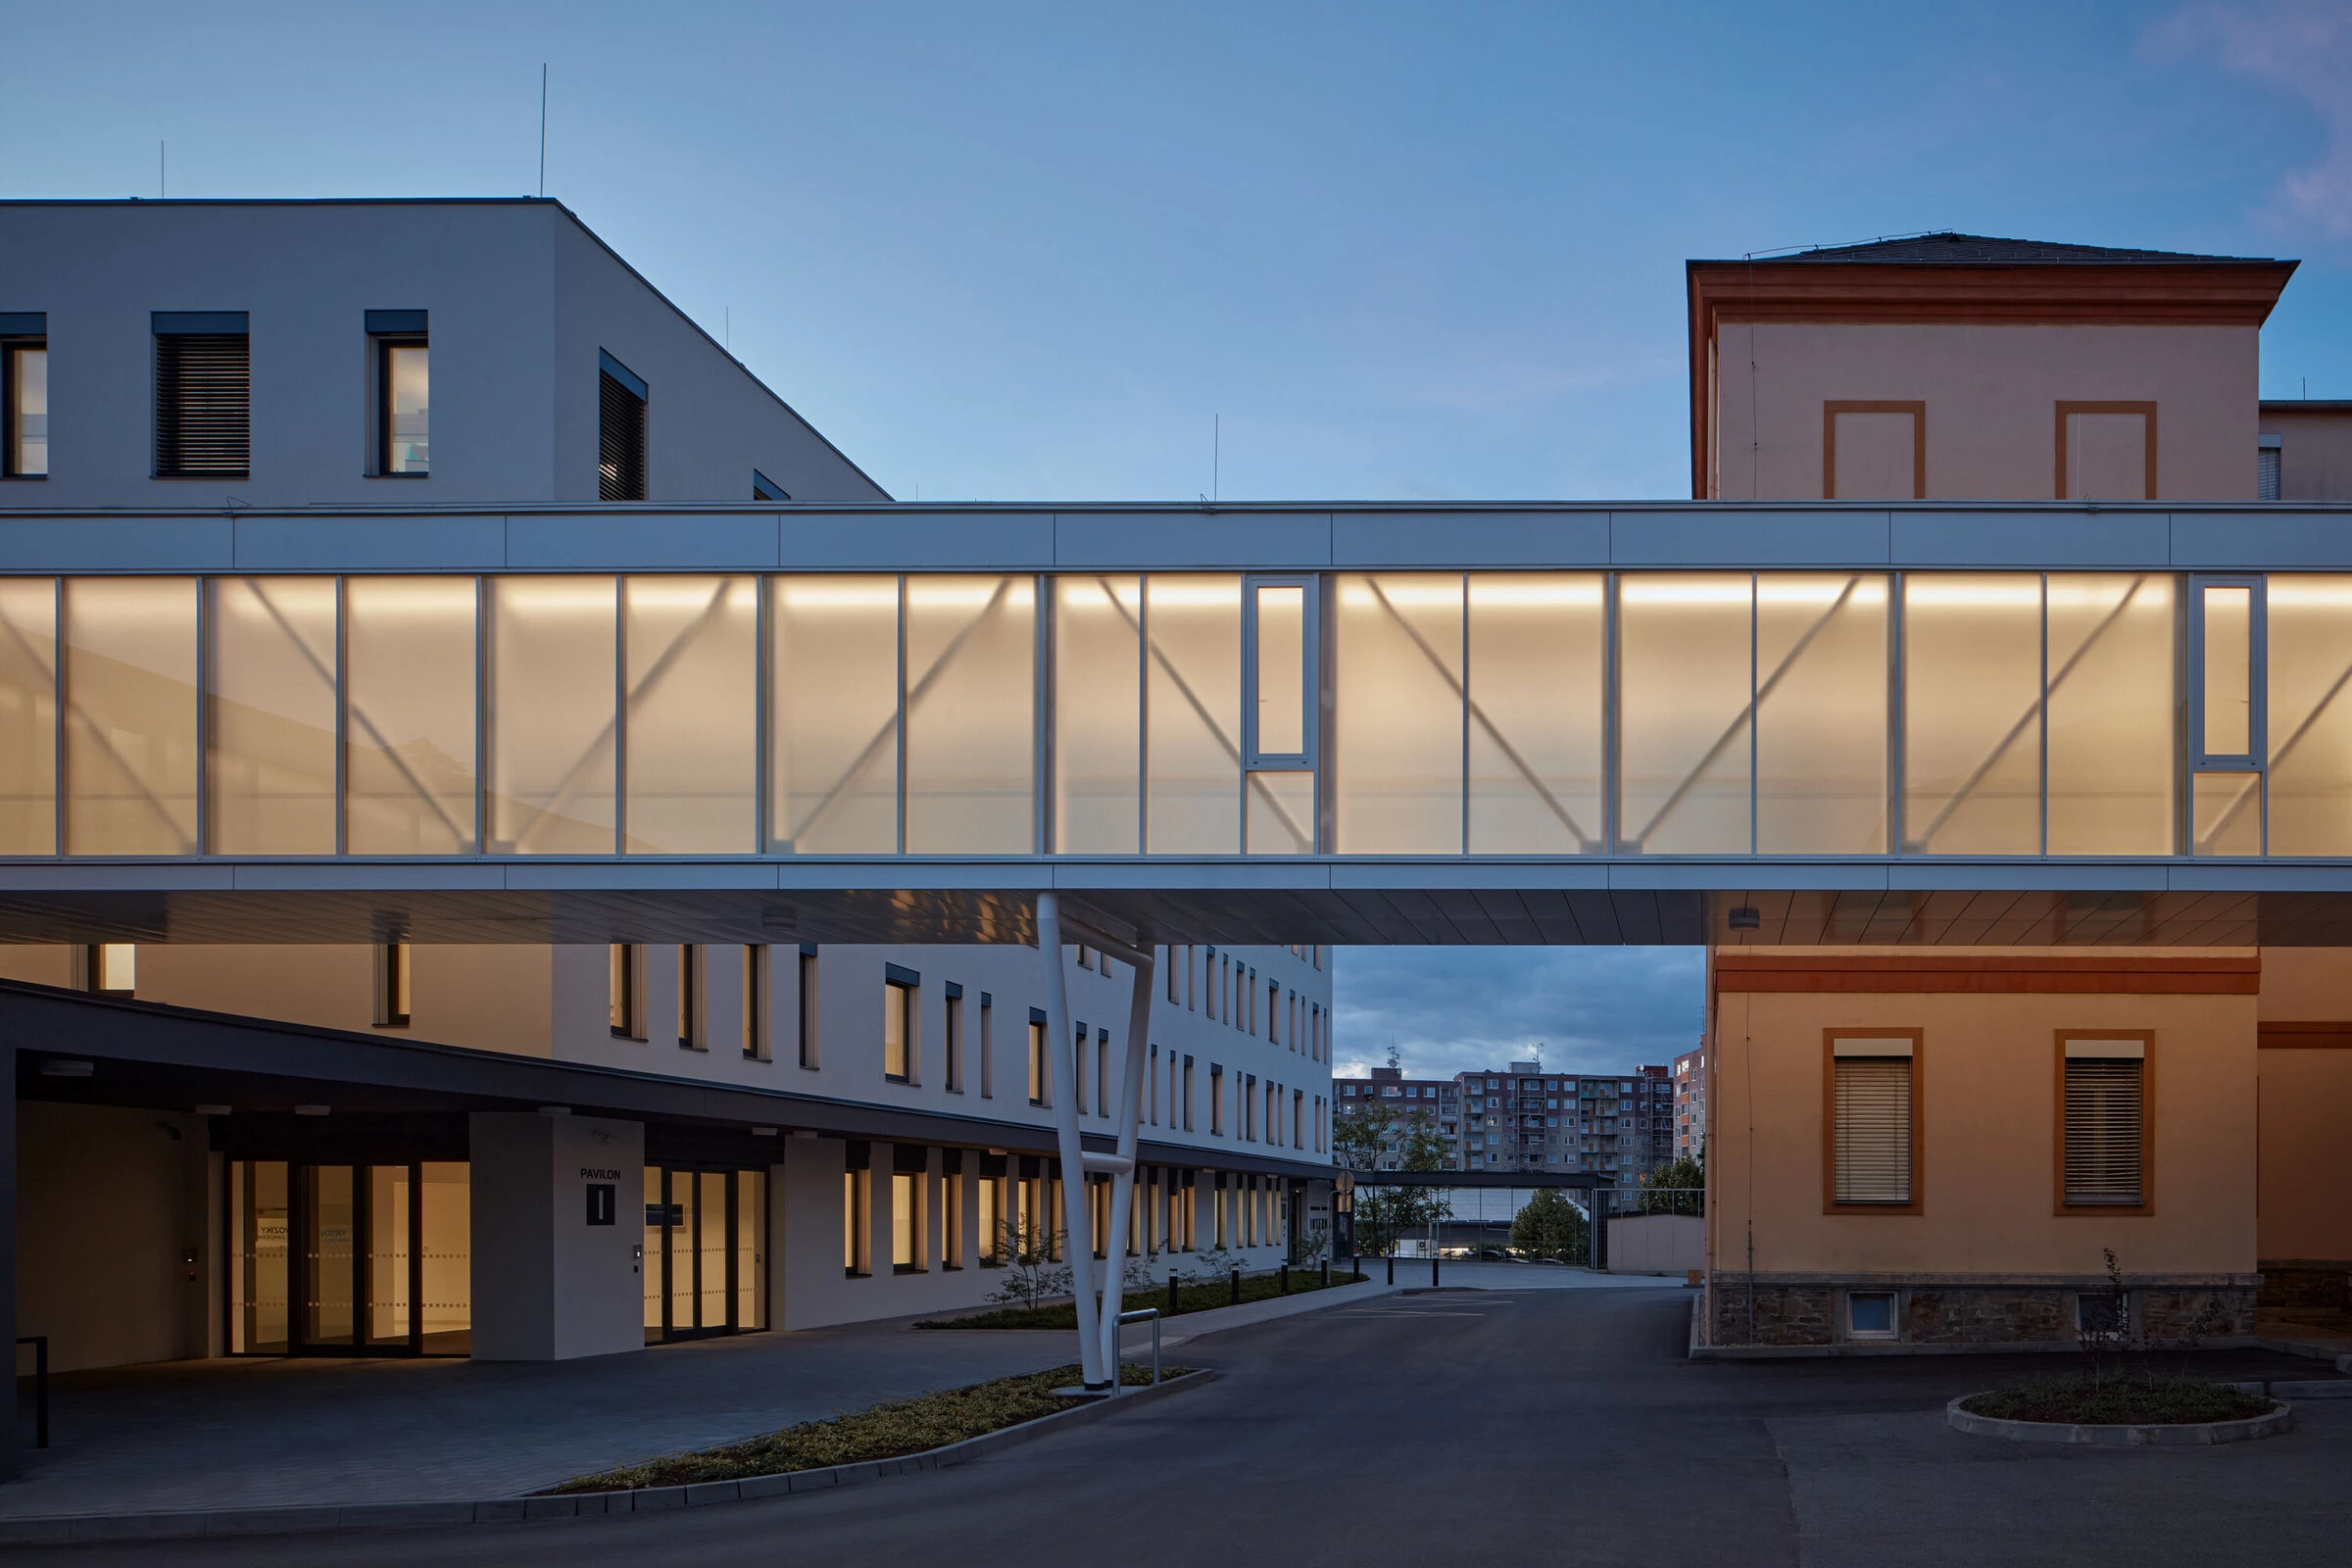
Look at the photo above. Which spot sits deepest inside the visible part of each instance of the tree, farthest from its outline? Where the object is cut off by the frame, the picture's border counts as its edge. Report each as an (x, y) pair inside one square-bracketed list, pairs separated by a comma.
[(1548, 1226), (1384, 1215), (1678, 1187), (1361, 1136)]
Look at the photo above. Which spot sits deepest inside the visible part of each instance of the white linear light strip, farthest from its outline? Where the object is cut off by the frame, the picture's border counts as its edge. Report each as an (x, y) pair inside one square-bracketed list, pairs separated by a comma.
[(1967, 786)]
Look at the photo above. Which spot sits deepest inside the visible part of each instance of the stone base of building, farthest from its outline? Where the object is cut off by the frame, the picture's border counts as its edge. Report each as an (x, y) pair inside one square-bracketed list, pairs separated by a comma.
[(1945, 1313), (2303, 1282)]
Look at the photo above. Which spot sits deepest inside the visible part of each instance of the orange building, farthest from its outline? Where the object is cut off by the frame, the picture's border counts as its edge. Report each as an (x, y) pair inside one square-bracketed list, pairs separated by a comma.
[(1932, 1131)]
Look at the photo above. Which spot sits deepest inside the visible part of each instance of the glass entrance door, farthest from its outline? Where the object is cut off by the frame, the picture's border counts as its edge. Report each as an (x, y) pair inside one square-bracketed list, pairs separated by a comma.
[(706, 1252), (348, 1259)]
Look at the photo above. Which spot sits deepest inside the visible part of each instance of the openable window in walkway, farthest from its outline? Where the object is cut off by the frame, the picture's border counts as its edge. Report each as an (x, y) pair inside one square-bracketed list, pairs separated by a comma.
[(1525, 714)]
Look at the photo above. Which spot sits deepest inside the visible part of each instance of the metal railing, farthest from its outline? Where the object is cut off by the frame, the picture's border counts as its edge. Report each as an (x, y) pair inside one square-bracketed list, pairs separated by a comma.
[(40, 1386), (1118, 1385)]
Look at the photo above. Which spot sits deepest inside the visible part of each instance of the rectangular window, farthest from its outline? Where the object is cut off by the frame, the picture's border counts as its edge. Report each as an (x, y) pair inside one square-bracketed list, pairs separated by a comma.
[(691, 999), (23, 399), (833, 714), (1103, 1072), (392, 985), (1078, 1066), (951, 1042), (402, 413), (551, 683), (906, 1223), (1041, 1071), (627, 991), (409, 668), (271, 698), (898, 1044), (1873, 1115), (28, 715), (1151, 1081), (992, 1220), (690, 655), (1186, 1100), (988, 1046), (754, 1003), (951, 1220), (2103, 1133), (1216, 1100), (620, 432), (131, 731), (970, 678), (2266, 469), (805, 1014), (110, 968), (855, 1237), (203, 395), (1167, 962)]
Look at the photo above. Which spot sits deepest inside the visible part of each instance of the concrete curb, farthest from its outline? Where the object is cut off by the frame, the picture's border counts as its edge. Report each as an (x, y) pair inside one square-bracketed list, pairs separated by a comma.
[(2183, 1434), (56, 1527)]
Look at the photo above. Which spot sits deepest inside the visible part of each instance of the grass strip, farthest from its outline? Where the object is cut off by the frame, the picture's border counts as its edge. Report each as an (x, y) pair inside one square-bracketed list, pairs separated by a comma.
[(1195, 1297), (886, 1432), (2118, 1402)]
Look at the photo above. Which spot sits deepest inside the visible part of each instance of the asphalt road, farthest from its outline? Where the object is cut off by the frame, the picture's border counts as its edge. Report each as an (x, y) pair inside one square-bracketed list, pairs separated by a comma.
[(1508, 1427)]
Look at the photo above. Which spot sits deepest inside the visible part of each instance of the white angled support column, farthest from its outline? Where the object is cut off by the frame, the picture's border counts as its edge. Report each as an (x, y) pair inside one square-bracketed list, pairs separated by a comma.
[(1079, 1243), (1122, 1171)]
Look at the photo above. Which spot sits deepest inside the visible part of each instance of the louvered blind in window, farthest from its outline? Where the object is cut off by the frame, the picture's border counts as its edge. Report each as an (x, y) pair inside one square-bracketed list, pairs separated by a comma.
[(203, 404), (2104, 1112), (620, 441), (1871, 1143)]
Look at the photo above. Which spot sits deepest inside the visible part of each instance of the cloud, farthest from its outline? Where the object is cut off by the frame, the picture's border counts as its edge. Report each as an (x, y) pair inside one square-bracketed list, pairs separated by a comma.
[(1457, 1010), (2303, 46)]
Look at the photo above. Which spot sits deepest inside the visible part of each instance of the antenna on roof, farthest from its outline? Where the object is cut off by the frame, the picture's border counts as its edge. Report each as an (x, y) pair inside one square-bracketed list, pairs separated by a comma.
[(160, 185), (1216, 453), (542, 127)]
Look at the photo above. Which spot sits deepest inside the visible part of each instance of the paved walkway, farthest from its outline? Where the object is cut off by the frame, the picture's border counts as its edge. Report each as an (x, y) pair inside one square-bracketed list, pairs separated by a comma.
[(231, 1434), (1521, 1426), (241, 1434)]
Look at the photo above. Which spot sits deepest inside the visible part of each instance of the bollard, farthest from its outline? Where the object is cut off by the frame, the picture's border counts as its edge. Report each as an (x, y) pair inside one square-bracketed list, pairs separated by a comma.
[(1286, 1279), (1236, 1287), (1392, 1268), (1433, 1268), (1327, 1273), (1173, 1296)]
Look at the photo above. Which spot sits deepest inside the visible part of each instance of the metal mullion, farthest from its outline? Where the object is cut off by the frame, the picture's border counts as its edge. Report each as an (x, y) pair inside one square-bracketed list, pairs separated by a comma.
[(1611, 715), (57, 717), (2041, 718), (204, 588), (1897, 710), (727, 1250), (1045, 640), (482, 655), (1143, 714), (1755, 714), (1465, 661), (763, 726), (415, 1258), (620, 713), (2258, 719), (901, 737), (343, 719)]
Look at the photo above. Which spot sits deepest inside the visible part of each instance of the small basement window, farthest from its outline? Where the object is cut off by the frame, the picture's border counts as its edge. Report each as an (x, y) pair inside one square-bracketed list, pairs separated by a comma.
[(1870, 1315)]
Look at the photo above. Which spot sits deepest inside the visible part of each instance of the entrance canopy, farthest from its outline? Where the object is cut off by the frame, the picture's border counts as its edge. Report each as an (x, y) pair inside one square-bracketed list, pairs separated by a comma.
[(1833, 724)]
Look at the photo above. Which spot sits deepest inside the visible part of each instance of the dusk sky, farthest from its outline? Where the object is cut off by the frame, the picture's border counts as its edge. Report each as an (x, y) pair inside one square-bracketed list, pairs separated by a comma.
[(1392, 251)]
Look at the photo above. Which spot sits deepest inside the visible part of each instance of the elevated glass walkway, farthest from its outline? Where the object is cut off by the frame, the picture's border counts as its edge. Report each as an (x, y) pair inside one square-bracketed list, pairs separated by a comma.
[(1535, 723)]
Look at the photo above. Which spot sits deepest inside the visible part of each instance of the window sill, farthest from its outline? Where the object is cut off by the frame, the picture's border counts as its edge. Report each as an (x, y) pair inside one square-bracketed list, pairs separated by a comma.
[(388, 475), (29, 477), (908, 1268), (857, 1274), (225, 474)]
